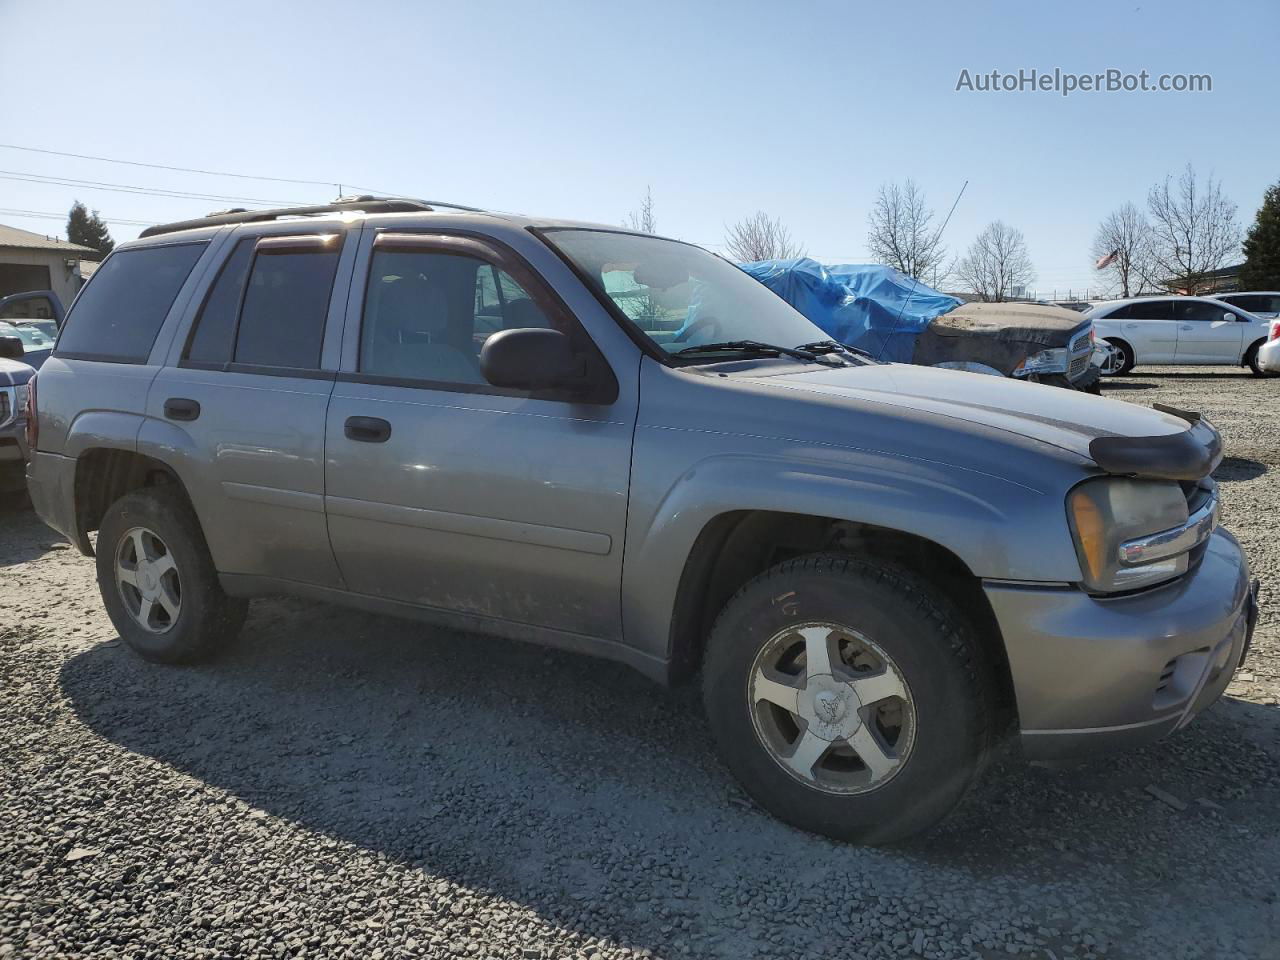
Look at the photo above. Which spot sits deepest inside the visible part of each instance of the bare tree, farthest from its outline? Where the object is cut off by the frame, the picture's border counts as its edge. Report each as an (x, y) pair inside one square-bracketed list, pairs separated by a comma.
[(997, 264), (642, 220), (1122, 248), (900, 233), (761, 237), (1194, 230)]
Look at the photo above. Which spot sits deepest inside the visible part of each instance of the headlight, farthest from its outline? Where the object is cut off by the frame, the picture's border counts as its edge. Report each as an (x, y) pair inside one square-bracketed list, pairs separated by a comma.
[(1112, 518), (1046, 361), (21, 398)]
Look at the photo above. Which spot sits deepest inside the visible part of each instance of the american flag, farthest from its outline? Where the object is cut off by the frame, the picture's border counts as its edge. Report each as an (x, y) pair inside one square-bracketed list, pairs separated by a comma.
[(1103, 262)]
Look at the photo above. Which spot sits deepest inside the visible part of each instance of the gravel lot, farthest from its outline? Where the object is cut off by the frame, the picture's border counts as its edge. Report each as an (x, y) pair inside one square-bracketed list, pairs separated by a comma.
[(345, 786)]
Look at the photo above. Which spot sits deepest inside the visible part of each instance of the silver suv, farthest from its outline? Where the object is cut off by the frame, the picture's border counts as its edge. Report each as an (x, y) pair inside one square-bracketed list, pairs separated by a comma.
[(623, 445)]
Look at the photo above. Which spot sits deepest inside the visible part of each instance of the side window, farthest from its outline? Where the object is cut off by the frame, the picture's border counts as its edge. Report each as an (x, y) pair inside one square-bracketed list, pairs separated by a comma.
[(1120, 313), (215, 326), (1149, 310), (119, 312), (1187, 310), (285, 303), (428, 314)]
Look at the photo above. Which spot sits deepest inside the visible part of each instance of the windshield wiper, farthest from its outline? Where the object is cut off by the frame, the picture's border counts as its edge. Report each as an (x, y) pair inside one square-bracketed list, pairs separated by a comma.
[(753, 346), (834, 346)]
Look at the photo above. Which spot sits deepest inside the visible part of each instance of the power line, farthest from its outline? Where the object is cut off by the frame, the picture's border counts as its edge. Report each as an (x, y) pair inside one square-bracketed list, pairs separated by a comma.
[(133, 188), (12, 212), (207, 173)]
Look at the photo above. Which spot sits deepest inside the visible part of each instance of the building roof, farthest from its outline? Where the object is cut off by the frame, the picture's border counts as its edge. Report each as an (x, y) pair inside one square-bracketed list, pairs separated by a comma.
[(14, 238)]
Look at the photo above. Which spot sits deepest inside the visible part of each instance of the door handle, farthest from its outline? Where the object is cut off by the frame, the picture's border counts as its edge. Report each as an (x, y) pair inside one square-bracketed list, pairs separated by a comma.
[(180, 408), (367, 429), (1186, 326)]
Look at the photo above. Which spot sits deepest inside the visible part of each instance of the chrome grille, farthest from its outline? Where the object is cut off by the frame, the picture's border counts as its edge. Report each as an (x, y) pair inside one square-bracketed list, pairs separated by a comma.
[(8, 404), (1081, 351)]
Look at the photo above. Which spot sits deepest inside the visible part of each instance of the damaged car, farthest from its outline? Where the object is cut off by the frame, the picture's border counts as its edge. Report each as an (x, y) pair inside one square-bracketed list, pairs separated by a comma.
[(893, 317)]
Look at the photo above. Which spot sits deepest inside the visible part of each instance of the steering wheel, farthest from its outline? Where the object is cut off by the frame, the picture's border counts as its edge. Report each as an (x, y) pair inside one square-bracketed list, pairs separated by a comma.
[(697, 325)]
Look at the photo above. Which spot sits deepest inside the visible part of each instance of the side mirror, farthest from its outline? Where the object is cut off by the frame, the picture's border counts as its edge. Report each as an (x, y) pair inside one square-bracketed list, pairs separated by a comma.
[(11, 348), (1231, 317), (530, 359)]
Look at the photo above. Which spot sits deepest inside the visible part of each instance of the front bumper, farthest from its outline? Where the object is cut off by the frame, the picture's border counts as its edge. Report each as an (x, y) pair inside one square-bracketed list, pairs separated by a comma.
[(1095, 674), (13, 454)]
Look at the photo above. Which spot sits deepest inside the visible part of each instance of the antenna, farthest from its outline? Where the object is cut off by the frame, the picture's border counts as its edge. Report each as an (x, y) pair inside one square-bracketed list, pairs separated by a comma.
[(915, 281)]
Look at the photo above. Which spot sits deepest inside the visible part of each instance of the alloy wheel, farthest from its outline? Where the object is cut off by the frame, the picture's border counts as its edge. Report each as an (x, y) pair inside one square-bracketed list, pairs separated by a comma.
[(148, 579), (831, 708)]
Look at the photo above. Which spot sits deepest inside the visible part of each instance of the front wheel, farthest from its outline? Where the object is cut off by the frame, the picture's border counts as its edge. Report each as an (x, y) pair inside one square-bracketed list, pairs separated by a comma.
[(1251, 360), (1119, 359), (158, 582), (846, 699)]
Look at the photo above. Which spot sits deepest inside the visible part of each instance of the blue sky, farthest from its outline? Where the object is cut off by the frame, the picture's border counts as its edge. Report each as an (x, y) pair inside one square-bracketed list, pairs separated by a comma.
[(572, 109)]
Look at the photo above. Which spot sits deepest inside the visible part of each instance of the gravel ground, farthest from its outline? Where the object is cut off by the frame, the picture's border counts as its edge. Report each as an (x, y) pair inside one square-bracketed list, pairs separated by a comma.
[(346, 786)]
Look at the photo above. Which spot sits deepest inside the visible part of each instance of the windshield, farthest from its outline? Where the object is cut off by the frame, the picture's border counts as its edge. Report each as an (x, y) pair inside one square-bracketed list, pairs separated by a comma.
[(679, 295), (32, 339)]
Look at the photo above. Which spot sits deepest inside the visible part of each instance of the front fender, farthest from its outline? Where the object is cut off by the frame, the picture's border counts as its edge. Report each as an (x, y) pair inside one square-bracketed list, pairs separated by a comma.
[(998, 528)]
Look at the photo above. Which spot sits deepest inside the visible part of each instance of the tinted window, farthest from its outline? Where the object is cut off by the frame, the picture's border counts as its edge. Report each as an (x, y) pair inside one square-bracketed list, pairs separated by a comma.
[(426, 315), (1149, 310), (119, 312), (216, 324), (282, 321), (1256, 303), (1197, 310)]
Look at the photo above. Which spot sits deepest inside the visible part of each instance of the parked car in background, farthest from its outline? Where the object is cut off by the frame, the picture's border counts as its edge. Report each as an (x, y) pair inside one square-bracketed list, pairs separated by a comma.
[(877, 570), (36, 345), (1261, 303), (15, 377), (1177, 330), (1269, 352), (889, 315)]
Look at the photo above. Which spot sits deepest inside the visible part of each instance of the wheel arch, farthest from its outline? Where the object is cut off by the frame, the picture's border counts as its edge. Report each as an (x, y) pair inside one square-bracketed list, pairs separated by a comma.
[(105, 474), (735, 546)]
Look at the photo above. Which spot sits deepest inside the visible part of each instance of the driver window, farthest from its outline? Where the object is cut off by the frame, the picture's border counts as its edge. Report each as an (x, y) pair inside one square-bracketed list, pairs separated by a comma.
[(1187, 310)]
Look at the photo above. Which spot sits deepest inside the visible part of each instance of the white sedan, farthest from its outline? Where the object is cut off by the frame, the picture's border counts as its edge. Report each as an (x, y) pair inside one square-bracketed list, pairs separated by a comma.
[(1269, 352), (1167, 330)]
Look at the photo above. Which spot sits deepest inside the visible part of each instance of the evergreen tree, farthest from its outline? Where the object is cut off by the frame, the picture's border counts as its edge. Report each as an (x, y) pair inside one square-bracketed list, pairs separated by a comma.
[(88, 229), (1261, 270)]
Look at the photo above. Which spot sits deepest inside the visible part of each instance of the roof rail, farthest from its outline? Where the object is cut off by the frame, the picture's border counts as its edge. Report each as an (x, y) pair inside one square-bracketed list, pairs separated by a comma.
[(363, 204)]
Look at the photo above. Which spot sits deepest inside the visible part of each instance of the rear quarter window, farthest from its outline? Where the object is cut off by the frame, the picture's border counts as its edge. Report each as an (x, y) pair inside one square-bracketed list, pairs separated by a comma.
[(120, 311)]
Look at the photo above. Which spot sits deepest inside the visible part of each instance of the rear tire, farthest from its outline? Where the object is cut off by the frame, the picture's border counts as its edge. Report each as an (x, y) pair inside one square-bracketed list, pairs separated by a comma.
[(158, 582), (892, 759)]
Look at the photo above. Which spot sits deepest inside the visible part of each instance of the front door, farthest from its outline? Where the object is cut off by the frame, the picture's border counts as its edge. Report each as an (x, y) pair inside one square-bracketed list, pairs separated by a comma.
[(446, 492), (1207, 332), (1148, 325)]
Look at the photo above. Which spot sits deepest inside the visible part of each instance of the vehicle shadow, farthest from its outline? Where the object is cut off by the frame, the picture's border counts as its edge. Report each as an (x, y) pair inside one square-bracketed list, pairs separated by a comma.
[(1233, 469), (554, 780), (1109, 385)]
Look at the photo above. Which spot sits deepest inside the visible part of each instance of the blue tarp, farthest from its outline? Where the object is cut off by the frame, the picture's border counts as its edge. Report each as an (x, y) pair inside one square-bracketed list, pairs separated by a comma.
[(861, 305)]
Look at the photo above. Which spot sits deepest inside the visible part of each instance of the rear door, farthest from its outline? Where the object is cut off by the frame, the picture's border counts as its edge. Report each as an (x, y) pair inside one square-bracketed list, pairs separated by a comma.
[(446, 492), (1208, 332), (242, 403)]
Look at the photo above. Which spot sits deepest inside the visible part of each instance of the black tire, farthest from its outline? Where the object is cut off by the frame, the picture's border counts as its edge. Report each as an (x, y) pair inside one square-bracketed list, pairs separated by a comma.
[(208, 620), (1251, 360), (1127, 351), (936, 653)]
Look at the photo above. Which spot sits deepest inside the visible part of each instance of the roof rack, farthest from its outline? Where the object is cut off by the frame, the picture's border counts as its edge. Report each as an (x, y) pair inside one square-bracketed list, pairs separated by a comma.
[(363, 204)]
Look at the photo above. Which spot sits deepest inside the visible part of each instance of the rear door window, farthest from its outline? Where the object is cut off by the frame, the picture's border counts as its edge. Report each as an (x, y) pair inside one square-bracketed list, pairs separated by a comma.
[(285, 303), (215, 328), (1149, 310), (120, 311)]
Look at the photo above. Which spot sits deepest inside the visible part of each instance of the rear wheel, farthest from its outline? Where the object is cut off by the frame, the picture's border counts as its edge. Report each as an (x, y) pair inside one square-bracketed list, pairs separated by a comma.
[(157, 579), (1119, 359), (846, 698)]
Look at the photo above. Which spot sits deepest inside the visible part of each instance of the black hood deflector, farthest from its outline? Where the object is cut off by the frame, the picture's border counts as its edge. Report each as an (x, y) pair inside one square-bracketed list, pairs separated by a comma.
[(1190, 455)]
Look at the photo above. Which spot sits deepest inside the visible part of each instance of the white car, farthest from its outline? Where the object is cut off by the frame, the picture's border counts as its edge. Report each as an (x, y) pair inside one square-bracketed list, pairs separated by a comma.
[(1261, 303), (1269, 352), (1166, 330)]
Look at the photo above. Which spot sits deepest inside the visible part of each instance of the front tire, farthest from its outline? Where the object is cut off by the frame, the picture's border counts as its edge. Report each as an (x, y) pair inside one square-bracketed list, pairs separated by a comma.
[(1251, 360), (158, 582), (1121, 362), (847, 698)]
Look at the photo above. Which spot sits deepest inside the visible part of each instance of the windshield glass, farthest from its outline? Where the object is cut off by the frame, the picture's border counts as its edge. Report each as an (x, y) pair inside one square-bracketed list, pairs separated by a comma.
[(31, 338), (679, 295)]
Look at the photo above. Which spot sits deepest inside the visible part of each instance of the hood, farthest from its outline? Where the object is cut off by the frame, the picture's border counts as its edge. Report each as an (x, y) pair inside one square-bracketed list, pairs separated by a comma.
[(14, 373), (1067, 419)]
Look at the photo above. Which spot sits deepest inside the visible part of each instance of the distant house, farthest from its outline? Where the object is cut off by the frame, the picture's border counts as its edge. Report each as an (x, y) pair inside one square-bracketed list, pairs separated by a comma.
[(33, 261), (1223, 280)]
